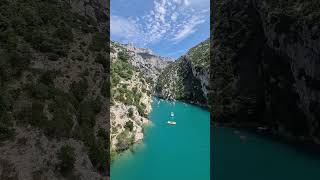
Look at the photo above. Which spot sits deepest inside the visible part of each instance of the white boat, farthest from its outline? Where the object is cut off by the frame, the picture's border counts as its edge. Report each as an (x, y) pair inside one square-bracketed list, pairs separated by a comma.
[(172, 122), (172, 114)]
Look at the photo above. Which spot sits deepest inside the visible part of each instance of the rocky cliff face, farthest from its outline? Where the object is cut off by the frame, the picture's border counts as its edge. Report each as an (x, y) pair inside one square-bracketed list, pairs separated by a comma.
[(54, 89), (146, 61), (130, 100), (265, 65), (187, 78)]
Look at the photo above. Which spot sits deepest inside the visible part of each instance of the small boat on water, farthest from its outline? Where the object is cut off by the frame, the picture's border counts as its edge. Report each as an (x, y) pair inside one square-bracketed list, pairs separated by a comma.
[(243, 139), (172, 122), (261, 128), (236, 132), (172, 114)]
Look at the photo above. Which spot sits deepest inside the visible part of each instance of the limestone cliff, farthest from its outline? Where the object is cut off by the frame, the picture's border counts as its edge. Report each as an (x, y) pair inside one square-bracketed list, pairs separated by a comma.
[(187, 78), (146, 61), (133, 72)]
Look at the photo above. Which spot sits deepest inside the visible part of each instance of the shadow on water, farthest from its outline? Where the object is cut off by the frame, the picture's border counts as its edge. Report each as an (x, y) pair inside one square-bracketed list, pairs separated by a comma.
[(306, 148), (239, 153)]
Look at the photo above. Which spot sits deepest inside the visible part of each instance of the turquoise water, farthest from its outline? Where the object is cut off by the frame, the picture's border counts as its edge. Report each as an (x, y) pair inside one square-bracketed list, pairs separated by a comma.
[(259, 158), (169, 152)]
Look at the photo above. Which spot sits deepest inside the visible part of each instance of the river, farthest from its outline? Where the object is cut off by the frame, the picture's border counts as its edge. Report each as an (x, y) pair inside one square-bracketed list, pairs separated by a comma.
[(250, 156), (169, 152), (182, 151)]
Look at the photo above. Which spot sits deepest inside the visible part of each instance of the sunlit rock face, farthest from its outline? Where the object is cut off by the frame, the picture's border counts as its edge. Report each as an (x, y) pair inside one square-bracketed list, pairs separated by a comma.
[(134, 72), (187, 78)]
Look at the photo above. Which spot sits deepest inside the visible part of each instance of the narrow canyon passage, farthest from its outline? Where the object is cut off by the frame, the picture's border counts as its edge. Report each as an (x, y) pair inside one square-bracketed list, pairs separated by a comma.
[(180, 151)]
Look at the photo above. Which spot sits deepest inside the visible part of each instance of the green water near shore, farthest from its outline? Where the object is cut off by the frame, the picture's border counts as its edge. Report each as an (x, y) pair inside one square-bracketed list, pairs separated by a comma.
[(248, 156), (181, 151)]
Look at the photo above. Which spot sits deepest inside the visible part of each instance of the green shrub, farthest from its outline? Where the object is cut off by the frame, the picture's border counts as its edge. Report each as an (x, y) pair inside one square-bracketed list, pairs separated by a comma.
[(87, 114), (38, 117), (48, 77), (115, 79), (80, 89), (103, 135), (44, 42), (122, 69), (123, 56), (53, 56), (96, 105), (6, 131), (13, 63), (78, 57), (99, 157), (124, 140), (106, 88), (19, 24), (98, 153), (66, 157), (101, 59), (141, 111), (62, 121), (4, 106), (130, 113), (129, 125), (64, 33), (40, 91), (98, 42)]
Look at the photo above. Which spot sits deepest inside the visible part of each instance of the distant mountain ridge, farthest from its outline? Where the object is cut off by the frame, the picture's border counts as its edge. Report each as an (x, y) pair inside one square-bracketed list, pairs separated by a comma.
[(145, 60)]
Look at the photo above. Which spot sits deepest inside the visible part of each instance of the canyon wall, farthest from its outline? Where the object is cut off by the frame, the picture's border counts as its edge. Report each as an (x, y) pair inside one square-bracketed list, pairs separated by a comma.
[(54, 93), (265, 66), (133, 75), (187, 78)]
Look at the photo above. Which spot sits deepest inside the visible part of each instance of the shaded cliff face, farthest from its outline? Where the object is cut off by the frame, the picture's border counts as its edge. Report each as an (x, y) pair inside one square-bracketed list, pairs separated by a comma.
[(265, 65), (54, 89), (186, 78)]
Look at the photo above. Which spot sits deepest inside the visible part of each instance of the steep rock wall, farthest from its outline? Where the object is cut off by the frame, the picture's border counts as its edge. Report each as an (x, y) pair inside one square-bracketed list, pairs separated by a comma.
[(187, 78), (265, 66)]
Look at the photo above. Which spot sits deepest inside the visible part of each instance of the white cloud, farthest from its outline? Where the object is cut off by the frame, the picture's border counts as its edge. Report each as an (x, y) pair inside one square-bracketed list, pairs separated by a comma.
[(186, 2), (177, 52), (177, 1), (172, 20), (120, 26), (174, 17), (189, 28), (200, 3)]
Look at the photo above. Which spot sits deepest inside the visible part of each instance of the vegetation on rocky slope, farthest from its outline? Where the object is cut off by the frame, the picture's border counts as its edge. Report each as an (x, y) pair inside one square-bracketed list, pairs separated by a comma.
[(53, 78), (184, 78), (264, 67), (200, 55), (130, 100)]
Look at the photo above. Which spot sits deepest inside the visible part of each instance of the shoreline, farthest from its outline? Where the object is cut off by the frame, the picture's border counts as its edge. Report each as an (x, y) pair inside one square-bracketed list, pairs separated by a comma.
[(203, 106), (303, 144), (118, 152)]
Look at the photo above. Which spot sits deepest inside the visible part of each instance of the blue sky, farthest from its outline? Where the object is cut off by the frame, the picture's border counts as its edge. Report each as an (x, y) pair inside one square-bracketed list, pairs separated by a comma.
[(168, 27)]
